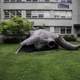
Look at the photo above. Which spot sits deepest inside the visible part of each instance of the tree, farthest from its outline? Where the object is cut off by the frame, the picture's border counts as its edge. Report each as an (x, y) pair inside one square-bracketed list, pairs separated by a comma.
[(16, 26)]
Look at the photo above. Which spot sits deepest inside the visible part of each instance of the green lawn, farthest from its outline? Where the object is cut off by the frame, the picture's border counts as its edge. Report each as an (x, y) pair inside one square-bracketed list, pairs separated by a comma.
[(44, 65)]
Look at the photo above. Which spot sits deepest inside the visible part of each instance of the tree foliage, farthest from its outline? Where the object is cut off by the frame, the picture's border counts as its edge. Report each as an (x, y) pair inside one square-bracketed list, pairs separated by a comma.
[(15, 26)]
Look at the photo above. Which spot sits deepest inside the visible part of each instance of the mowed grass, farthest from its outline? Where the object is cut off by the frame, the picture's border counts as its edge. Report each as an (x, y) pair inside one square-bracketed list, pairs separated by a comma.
[(57, 64)]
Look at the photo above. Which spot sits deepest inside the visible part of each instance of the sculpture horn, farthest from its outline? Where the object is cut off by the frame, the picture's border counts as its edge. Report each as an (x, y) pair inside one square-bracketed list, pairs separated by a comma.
[(65, 44)]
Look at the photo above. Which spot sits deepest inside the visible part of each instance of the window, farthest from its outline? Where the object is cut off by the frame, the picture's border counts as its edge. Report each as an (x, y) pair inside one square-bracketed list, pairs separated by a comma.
[(65, 30), (34, 14), (46, 0), (37, 14), (61, 5), (10, 13), (13, 0), (63, 1), (63, 14), (56, 16), (63, 17), (35, 0), (47, 14), (68, 30), (28, 14), (69, 14), (19, 1), (18, 12), (69, 1), (0, 13), (56, 29), (41, 15), (6, 1), (23, 0), (28, 0), (6, 14)]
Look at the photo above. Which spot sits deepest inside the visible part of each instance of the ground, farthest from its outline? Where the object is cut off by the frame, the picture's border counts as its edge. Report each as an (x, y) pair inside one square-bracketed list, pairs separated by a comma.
[(57, 64)]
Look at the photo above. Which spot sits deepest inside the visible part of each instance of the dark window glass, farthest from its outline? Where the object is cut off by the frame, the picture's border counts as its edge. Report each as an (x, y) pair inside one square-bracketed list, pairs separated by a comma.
[(35, 0), (41, 16), (13, 1), (28, 14), (69, 1), (6, 0), (6, 14), (68, 30), (46, 0), (34, 17), (18, 0), (18, 12), (56, 16), (63, 1), (28, 0), (63, 5), (12, 12), (63, 30), (63, 17)]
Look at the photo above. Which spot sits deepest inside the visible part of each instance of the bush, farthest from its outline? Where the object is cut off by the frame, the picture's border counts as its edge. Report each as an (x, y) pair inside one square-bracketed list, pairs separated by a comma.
[(70, 38), (15, 28)]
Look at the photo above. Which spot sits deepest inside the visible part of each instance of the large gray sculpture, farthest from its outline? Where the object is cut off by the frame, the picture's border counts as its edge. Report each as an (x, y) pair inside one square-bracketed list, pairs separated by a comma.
[(42, 38)]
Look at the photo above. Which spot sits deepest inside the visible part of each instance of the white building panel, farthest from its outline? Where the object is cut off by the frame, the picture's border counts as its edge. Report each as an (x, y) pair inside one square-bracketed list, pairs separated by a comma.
[(47, 6)]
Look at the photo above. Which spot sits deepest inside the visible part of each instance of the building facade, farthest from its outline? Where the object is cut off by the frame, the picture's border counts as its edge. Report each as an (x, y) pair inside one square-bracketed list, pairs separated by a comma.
[(0, 10), (76, 17), (55, 15)]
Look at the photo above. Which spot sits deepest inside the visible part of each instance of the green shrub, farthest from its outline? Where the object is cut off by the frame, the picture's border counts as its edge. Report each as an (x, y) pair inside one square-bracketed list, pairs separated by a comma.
[(15, 28), (70, 38)]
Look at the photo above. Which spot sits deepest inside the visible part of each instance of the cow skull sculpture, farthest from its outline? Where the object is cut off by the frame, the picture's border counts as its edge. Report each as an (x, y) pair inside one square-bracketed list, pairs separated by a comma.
[(41, 38)]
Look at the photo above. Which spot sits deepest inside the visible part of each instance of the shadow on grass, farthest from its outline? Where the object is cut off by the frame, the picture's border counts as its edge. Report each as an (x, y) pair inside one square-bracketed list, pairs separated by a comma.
[(43, 51), (33, 50)]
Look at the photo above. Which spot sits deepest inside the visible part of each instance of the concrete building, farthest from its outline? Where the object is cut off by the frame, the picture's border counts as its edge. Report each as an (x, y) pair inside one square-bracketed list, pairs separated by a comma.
[(76, 17), (58, 16), (0, 10)]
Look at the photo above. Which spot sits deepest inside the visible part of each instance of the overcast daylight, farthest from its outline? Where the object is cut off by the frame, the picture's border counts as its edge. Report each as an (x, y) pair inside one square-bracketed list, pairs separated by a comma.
[(39, 39)]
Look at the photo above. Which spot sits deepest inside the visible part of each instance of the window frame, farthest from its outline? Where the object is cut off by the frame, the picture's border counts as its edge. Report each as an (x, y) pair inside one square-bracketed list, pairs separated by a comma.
[(12, 13)]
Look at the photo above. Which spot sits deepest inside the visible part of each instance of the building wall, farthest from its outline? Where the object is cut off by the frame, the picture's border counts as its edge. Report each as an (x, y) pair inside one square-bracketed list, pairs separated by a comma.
[(0, 10), (50, 22), (75, 11), (47, 6), (41, 6), (76, 17), (78, 11)]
